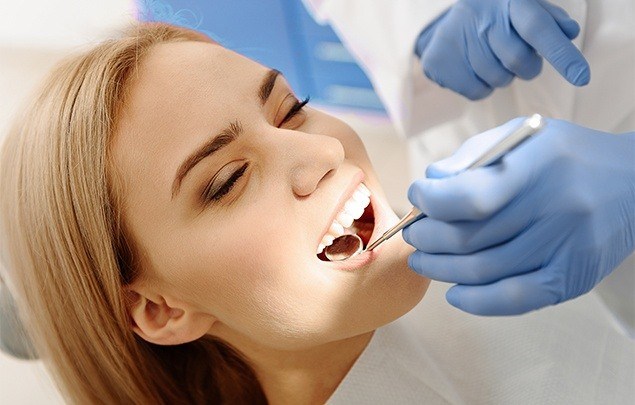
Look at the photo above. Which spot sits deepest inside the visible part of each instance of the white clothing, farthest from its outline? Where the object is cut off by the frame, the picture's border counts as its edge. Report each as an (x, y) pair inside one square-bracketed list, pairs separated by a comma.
[(382, 34), (436, 354)]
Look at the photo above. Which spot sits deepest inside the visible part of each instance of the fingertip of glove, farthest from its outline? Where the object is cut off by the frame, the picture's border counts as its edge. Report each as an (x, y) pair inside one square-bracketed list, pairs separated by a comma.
[(415, 265), (411, 262), (411, 190), (405, 234), (571, 28), (434, 171), (413, 193), (453, 298), (579, 74)]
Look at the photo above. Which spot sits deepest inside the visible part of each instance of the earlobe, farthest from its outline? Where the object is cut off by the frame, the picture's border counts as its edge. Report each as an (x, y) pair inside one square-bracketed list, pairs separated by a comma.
[(159, 323)]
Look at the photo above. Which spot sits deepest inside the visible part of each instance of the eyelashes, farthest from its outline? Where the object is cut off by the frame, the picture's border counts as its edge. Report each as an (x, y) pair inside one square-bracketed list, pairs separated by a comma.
[(295, 109), (211, 194)]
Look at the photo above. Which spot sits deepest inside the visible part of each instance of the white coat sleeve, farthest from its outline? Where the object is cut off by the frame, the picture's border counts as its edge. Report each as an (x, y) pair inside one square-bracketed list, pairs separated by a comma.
[(381, 35)]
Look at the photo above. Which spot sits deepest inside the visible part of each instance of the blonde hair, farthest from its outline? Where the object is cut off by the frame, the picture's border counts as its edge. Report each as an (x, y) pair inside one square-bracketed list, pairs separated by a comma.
[(66, 252)]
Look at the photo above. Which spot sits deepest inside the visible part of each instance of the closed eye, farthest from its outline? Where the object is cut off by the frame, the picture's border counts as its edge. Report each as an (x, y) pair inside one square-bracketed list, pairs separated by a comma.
[(295, 109), (212, 194)]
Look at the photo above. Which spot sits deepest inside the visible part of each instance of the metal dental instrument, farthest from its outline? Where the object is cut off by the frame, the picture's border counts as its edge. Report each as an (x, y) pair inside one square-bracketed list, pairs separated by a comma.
[(351, 245)]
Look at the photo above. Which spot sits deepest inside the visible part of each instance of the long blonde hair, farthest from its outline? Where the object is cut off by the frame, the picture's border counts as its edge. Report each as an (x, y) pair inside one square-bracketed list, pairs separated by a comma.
[(66, 251)]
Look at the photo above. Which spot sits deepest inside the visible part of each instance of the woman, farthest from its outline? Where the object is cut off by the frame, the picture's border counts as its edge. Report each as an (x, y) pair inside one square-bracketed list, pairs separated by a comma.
[(165, 205), (123, 228)]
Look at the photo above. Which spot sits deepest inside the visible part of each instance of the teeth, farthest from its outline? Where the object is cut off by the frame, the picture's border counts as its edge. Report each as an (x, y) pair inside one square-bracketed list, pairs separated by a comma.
[(328, 239), (345, 219), (336, 229), (352, 210), (359, 196), (362, 187)]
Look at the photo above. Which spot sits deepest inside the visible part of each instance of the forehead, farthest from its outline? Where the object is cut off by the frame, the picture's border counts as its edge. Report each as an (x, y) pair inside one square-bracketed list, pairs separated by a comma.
[(182, 93), (183, 71)]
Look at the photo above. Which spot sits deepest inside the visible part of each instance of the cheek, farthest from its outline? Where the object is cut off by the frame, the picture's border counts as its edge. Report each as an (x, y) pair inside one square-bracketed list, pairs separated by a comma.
[(251, 278), (276, 296)]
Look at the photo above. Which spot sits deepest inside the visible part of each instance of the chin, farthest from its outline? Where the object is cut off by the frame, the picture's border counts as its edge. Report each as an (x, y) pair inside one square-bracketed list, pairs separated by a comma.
[(397, 281), (390, 289)]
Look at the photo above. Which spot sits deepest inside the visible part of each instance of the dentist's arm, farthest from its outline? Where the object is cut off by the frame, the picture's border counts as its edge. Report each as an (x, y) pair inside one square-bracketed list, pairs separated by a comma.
[(543, 226), (479, 45)]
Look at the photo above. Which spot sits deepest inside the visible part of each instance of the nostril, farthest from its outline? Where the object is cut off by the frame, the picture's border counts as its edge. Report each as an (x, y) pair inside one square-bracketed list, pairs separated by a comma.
[(329, 174), (304, 182)]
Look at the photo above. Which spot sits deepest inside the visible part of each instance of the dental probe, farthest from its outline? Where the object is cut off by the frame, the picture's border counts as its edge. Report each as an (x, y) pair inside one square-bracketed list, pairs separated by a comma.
[(529, 127)]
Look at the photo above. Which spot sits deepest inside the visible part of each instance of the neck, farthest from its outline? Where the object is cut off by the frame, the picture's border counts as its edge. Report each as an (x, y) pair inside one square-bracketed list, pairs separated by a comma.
[(307, 376)]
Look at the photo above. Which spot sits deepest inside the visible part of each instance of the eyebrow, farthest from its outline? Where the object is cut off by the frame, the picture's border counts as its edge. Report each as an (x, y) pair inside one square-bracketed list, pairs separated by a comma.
[(221, 140), (266, 86), (224, 137)]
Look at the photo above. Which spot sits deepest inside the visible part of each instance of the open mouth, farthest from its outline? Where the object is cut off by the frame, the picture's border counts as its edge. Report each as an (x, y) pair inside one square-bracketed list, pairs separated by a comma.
[(357, 217)]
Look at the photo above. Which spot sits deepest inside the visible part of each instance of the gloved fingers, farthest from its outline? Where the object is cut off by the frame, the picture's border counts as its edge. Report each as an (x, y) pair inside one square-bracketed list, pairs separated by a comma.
[(541, 31), (568, 25), (450, 69), (469, 196), (470, 150), (514, 53), (520, 255), (510, 296), (486, 65), (425, 37), (464, 237)]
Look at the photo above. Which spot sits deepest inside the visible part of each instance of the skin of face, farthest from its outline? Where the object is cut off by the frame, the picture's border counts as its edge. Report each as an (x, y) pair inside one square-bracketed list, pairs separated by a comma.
[(244, 268)]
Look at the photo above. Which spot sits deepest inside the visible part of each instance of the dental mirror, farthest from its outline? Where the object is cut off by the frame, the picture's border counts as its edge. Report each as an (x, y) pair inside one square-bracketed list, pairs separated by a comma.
[(344, 247)]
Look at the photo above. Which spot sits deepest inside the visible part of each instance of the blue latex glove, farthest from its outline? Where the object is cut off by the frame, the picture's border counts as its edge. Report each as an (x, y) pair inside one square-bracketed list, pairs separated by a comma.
[(478, 45), (542, 226)]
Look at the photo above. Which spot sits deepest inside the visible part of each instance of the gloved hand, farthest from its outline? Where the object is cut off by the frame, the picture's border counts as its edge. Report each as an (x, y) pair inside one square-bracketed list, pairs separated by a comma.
[(542, 226), (478, 45)]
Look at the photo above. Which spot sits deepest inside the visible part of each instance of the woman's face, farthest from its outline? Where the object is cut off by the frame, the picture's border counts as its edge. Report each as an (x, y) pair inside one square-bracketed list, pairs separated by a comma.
[(229, 190)]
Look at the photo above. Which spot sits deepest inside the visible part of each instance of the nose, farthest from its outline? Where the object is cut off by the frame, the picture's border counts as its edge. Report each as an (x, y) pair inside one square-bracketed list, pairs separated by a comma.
[(314, 159)]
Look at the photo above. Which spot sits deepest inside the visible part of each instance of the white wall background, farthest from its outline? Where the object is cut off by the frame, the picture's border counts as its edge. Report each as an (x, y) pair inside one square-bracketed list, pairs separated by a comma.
[(34, 34)]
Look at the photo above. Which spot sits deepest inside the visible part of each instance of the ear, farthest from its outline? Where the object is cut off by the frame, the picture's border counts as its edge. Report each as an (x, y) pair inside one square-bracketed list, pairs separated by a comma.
[(159, 323)]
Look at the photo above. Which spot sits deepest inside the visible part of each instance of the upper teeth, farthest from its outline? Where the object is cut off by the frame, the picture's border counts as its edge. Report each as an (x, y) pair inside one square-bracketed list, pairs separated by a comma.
[(352, 210)]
